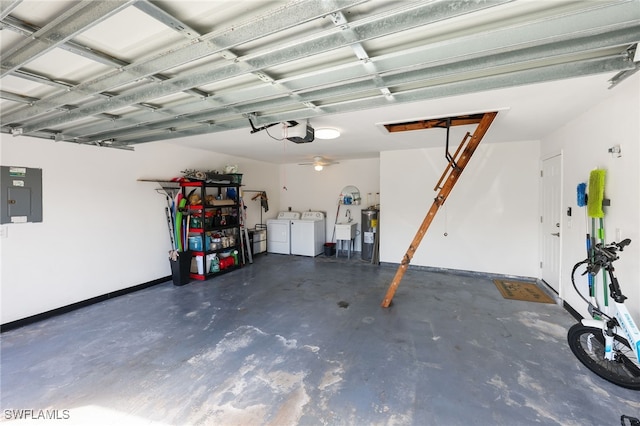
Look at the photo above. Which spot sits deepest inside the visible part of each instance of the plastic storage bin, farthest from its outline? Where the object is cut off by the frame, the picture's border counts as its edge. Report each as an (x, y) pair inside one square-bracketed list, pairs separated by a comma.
[(195, 243)]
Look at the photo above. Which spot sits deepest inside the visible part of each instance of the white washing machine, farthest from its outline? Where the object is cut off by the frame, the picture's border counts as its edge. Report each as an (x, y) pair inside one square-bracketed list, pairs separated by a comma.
[(307, 234), (279, 232)]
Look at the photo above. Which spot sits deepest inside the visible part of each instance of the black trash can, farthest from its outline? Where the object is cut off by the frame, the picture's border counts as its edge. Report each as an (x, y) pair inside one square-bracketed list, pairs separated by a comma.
[(329, 249), (181, 268)]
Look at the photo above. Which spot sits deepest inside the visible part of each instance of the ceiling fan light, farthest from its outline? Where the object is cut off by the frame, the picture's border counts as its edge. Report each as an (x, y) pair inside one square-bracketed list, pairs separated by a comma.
[(318, 167), (327, 133)]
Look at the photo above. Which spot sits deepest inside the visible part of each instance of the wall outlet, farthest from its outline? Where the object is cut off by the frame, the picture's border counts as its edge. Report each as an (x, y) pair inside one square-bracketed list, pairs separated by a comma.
[(4, 231)]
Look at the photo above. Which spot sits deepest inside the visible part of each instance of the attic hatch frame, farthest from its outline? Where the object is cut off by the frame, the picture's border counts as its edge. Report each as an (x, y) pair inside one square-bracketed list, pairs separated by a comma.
[(450, 176)]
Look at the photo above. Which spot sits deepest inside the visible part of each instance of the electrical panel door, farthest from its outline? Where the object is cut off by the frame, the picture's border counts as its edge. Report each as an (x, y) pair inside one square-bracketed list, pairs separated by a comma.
[(21, 194)]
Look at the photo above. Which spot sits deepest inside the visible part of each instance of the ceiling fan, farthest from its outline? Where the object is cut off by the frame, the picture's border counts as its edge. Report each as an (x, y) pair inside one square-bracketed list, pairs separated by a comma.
[(319, 163)]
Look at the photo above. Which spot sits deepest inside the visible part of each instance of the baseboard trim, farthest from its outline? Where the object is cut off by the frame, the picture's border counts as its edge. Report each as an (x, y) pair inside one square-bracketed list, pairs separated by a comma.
[(463, 272), (72, 307), (572, 311)]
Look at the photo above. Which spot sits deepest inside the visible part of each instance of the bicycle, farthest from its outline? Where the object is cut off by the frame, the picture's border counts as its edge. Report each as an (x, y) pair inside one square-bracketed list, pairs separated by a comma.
[(608, 345)]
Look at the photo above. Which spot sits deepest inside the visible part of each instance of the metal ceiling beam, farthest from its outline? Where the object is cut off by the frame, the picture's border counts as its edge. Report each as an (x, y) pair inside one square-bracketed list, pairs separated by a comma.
[(317, 89), (623, 75), (427, 76), (53, 102), (10, 96), (322, 42), (251, 102), (227, 53), (515, 37), (41, 106), (560, 52), (512, 79), (7, 6), (81, 16), (296, 14), (496, 55), (340, 20), (36, 78), (568, 27), (27, 30), (172, 22), (322, 86), (175, 24), (500, 81)]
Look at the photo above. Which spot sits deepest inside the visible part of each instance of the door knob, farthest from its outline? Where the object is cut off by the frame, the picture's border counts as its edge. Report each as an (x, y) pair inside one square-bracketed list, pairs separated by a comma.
[(557, 234)]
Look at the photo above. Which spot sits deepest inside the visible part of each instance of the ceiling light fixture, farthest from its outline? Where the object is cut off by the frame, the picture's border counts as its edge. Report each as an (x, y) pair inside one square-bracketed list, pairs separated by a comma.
[(319, 163), (327, 133)]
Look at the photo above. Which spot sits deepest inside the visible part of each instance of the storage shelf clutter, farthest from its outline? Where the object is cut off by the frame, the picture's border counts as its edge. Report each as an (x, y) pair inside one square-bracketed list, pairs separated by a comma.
[(213, 212)]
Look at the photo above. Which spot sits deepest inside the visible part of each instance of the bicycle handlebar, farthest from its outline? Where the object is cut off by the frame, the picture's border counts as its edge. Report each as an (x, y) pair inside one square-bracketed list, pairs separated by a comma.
[(622, 244), (604, 255), (609, 250)]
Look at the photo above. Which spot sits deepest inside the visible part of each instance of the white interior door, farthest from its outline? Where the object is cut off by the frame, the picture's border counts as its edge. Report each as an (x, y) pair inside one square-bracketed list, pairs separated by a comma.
[(551, 228)]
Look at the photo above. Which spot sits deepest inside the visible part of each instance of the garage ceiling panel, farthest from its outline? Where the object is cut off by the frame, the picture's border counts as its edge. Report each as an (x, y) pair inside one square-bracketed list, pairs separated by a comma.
[(131, 72)]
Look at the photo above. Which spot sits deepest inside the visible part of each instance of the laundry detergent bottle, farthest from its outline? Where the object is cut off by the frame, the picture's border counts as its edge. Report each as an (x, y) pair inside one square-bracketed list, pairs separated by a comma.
[(215, 264)]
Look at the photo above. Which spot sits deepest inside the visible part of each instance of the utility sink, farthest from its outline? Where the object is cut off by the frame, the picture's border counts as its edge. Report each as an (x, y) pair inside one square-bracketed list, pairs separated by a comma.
[(346, 230)]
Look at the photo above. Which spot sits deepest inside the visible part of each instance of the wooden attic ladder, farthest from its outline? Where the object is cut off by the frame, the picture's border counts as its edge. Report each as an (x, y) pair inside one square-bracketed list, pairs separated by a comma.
[(446, 183)]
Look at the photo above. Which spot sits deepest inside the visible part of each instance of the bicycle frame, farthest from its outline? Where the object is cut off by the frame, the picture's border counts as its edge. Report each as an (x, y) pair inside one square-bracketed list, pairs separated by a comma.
[(608, 344), (603, 257), (625, 323)]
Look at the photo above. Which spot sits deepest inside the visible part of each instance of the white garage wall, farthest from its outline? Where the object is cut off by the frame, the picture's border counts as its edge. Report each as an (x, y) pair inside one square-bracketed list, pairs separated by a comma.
[(584, 143), (308, 189), (102, 230), (490, 217)]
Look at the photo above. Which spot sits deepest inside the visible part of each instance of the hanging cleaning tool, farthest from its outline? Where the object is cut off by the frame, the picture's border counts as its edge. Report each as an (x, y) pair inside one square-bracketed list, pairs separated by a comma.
[(450, 176), (183, 230), (170, 225), (335, 222), (167, 191), (245, 243), (582, 202), (596, 193), (582, 194), (181, 202), (177, 224), (595, 202)]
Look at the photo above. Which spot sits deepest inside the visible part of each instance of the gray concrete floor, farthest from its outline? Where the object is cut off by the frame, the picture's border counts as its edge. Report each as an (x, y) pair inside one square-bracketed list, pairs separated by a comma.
[(276, 344)]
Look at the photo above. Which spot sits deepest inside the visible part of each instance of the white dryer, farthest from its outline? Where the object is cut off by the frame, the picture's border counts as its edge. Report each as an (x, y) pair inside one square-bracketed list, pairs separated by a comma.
[(307, 234), (279, 232)]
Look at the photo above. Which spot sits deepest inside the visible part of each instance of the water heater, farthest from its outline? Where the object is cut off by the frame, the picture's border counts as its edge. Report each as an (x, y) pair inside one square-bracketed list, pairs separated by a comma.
[(369, 234)]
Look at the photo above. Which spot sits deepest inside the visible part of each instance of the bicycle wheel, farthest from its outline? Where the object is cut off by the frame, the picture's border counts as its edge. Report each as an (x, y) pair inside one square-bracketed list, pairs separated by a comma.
[(587, 344)]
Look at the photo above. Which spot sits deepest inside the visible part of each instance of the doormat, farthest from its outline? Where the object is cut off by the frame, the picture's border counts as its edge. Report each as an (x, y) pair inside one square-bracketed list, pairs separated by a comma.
[(519, 290)]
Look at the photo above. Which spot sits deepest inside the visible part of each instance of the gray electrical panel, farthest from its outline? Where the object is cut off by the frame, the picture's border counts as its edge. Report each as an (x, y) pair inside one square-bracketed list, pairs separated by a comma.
[(21, 194)]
